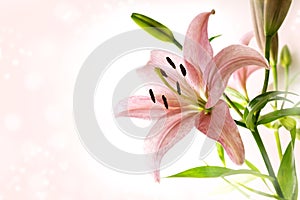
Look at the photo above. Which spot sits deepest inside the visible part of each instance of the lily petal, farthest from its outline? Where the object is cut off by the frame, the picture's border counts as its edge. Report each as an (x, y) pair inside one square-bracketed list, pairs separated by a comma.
[(245, 40), (241, 76), (219, 126), (197, 49), (224, 64), (165, 133)]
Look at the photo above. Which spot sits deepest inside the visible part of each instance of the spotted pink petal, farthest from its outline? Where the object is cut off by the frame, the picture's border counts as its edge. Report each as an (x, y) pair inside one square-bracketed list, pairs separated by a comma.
[(165, 133), (224, 64), (219, 126), (197, 49)]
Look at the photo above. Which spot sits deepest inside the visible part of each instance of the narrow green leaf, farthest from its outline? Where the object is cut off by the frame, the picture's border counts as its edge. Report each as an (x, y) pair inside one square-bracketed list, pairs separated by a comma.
[(287, 176), (288, 123), (214, 37), (280, 99), (298, 133), (258, 192), (238, 105), (291, 125), (297, 104), (254, 168), (251, 166), (155, 28), (220, 150), (236, 187), (272, 116), (237, 95), (259, 103), (215, 172), (239, 123)]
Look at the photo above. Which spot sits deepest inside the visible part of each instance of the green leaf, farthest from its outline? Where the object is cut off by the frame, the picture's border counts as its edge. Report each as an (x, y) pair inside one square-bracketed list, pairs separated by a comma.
[(257, 104), (220, 150), (238, 105), (290, 125), (239, 123), (272, 116), (215, 171), (155, 28), (214, 37), (254, 168), (258, 192), (287, 176), (297, 104), (236, 95), (298, 133)]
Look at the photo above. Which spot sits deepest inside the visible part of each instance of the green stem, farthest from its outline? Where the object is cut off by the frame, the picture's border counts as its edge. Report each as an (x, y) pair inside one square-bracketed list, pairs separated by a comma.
[(267, 56), (286, 83), (275, 77), (276, 132), (278, 143), (266, 82), (267, 161), (177, 44), (233, 105)]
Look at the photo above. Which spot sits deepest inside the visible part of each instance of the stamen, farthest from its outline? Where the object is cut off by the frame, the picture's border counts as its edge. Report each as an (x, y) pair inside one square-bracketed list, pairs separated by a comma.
[(183, 70), (171, 62), (152, 95), (163, 73), (165, 101), (178, 88)]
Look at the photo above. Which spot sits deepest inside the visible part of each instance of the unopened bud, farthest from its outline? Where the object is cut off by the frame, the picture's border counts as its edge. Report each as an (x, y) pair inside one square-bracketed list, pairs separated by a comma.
[(285, 57), (154, 28), (275, 12)]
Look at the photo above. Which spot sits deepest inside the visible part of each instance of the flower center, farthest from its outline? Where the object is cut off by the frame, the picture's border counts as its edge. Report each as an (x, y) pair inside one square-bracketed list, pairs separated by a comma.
[(181, 87)]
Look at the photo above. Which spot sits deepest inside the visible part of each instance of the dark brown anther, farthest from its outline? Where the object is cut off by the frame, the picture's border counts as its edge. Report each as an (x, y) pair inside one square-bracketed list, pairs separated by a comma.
[(183, 70), (171, 62), (178, 88), (152, 95), (165, 101)]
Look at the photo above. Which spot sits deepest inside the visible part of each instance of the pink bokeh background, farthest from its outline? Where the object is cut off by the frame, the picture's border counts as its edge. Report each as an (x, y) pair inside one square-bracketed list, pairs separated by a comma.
[(42, 47)]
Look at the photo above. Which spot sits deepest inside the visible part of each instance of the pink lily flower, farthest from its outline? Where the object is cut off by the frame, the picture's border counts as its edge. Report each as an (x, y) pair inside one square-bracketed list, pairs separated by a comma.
[(190, 94), (241, 76)]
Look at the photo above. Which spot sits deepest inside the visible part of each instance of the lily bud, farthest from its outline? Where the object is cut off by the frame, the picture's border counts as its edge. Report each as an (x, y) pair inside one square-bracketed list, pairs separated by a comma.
[(285, 57), (154, 28), (275, 12), (267, 17)]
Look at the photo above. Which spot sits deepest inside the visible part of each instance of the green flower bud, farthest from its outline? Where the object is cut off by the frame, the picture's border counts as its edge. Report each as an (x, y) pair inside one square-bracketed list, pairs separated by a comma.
[(275, 12), (285, 57), (155, 28)]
